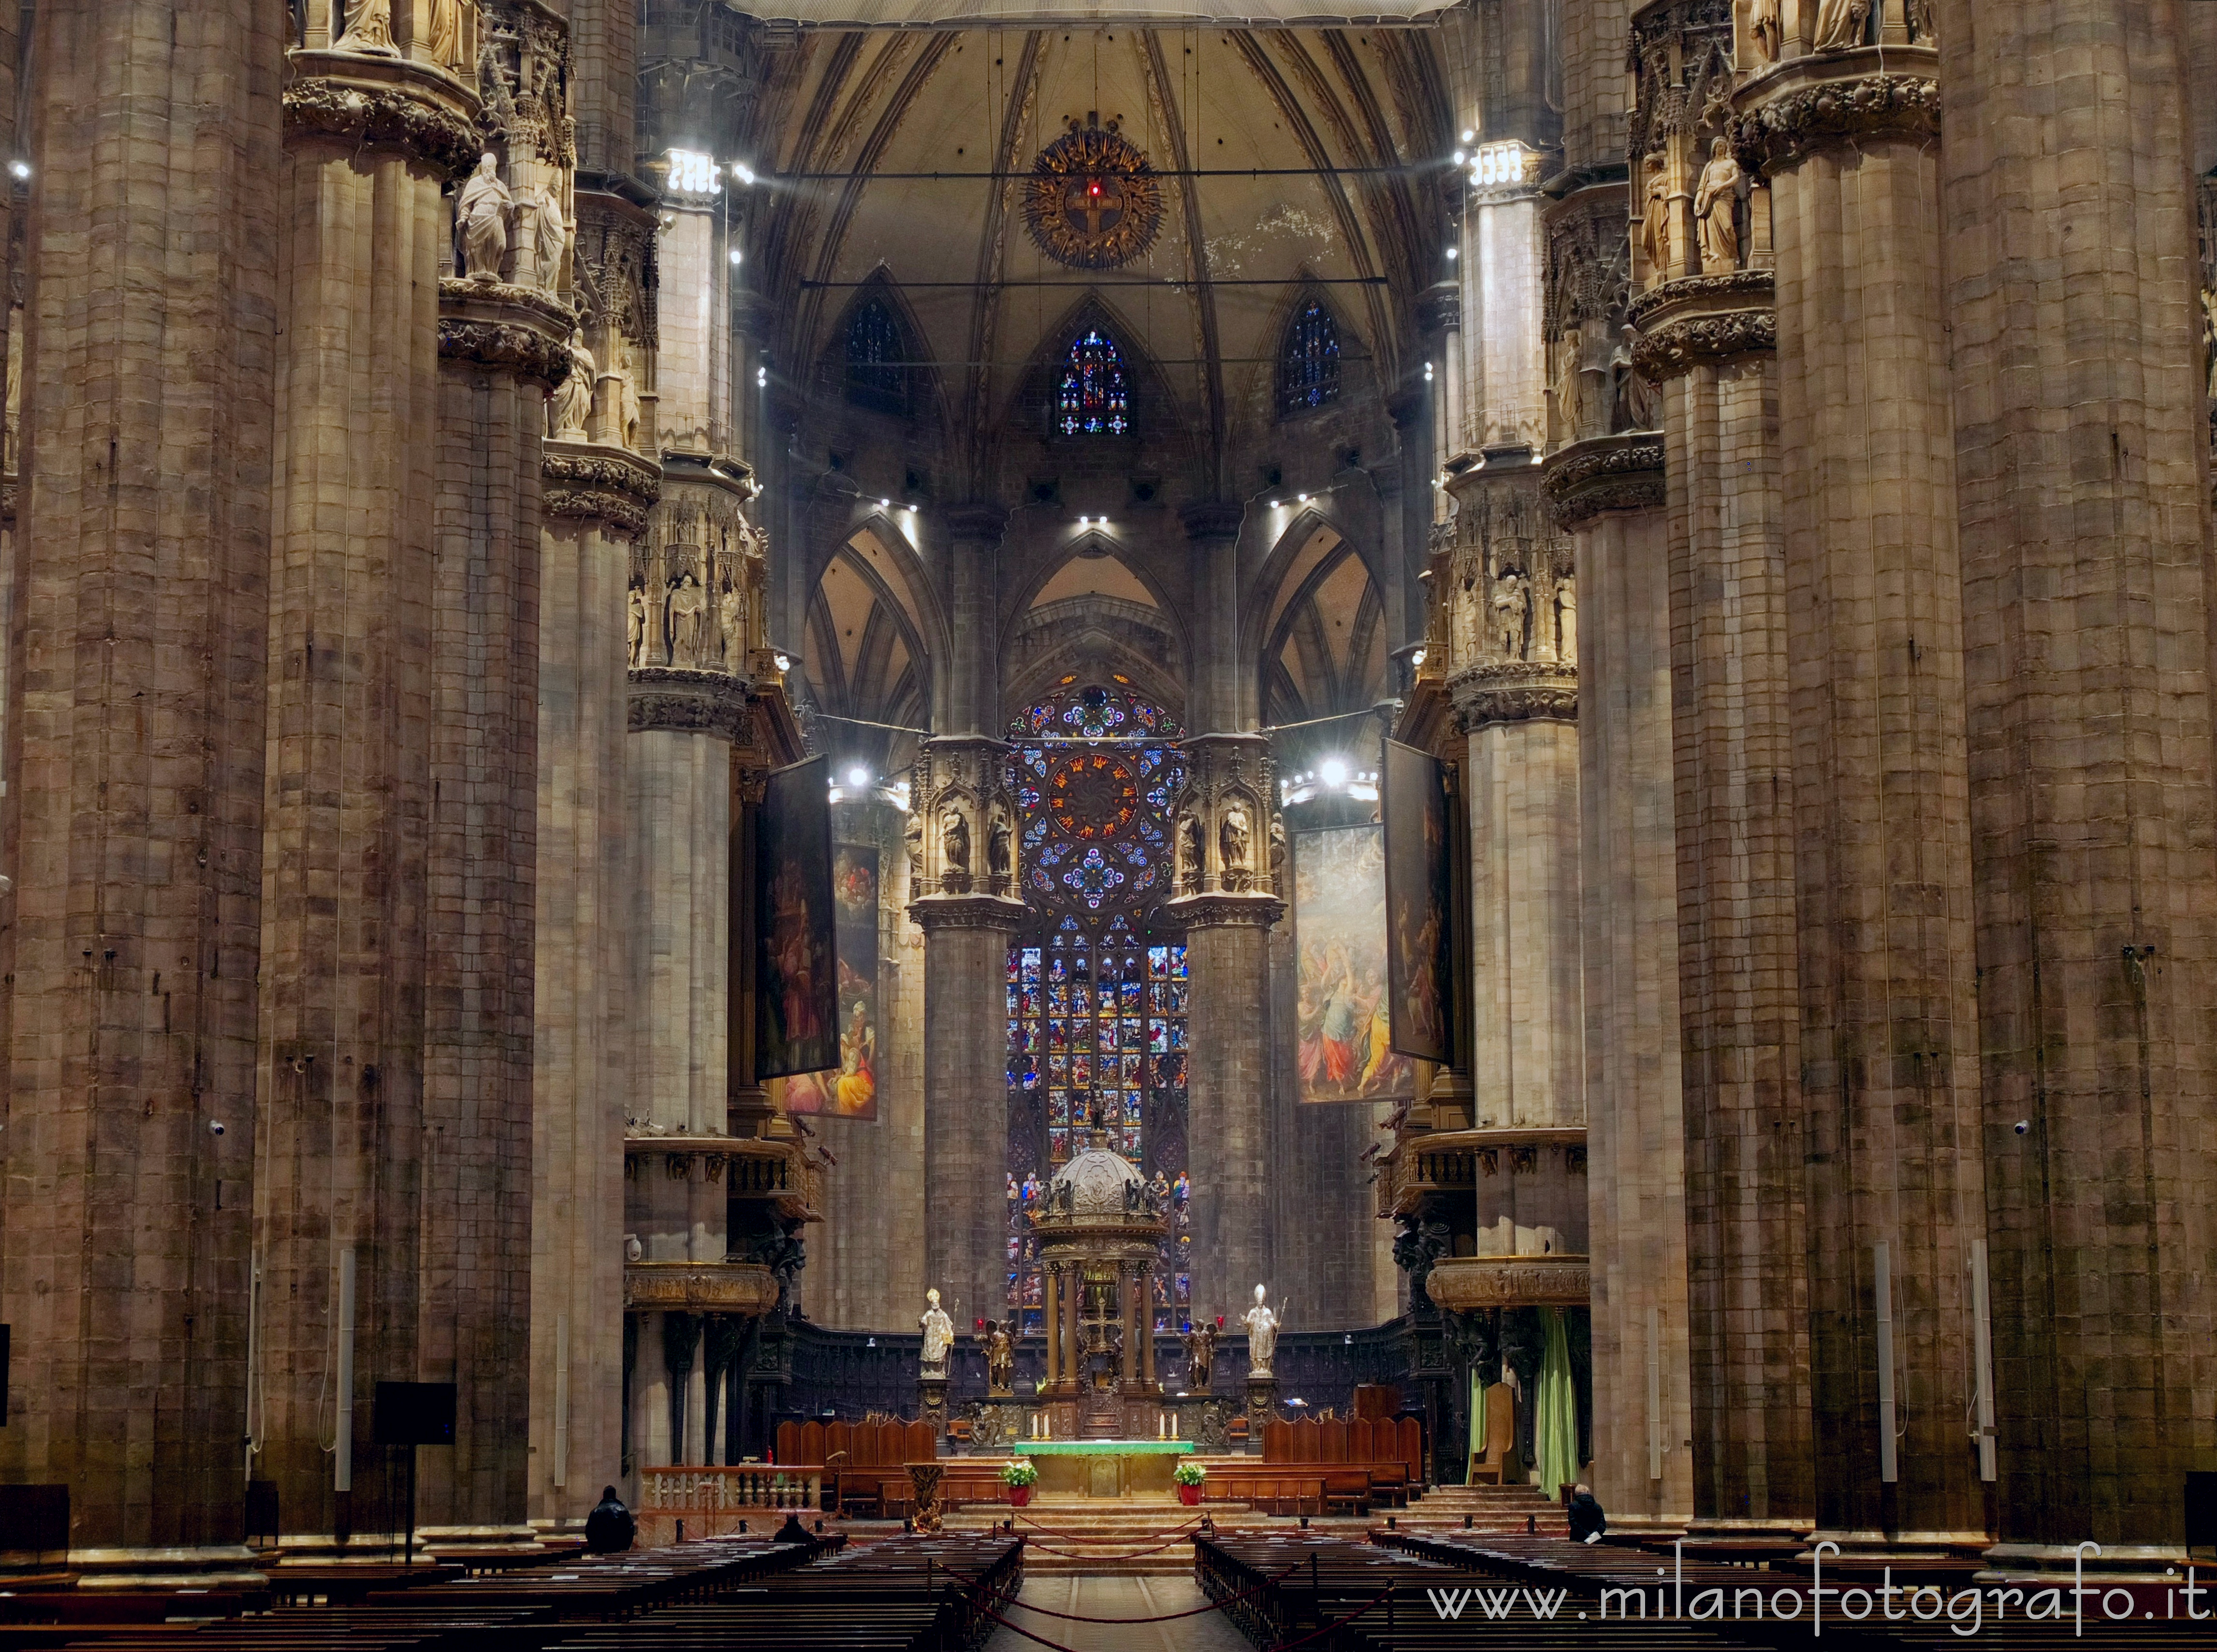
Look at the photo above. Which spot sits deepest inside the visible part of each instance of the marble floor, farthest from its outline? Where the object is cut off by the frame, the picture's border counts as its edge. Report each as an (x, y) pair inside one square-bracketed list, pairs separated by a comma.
[(1118, 1597)]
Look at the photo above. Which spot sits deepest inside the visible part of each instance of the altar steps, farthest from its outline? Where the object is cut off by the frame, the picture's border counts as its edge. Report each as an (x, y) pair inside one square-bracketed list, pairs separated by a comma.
[(1489, 1508), (1130, 1536)]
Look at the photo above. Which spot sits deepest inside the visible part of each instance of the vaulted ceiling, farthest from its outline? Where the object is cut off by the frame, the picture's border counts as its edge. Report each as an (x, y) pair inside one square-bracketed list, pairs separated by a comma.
[(1295, 160)]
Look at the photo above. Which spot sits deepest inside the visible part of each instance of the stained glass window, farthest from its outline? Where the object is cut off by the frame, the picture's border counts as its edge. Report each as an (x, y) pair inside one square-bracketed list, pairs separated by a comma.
[(1092, 400), (1096, 984), (877, 376), (1308, 367)]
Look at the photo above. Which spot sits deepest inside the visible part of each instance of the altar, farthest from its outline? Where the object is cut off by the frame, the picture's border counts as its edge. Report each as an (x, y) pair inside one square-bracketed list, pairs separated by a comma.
[(1104, 1468)]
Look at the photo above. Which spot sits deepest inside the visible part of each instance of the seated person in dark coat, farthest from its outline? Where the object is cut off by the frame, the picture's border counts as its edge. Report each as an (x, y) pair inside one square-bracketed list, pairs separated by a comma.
[(609, 1528), (1587, 1521)]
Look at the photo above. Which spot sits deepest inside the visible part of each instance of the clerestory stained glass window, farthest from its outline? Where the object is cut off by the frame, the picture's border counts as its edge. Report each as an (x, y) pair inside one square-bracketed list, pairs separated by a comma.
[(1308, 367), (1093, 400), (877, 374), (1097, 985)]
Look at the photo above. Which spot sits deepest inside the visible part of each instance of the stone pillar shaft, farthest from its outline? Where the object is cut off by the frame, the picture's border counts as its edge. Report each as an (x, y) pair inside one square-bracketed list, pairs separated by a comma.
[(1888, 976), (966, 1078), (1738, 964), (349, 787), (133, 811), (595, 504), (2079, 418), (1610, 492)]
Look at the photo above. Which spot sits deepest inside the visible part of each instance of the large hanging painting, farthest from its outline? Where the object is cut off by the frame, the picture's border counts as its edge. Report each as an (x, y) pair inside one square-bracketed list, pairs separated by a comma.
[(796, 980), (1347, 1051), (851, 1092), (1419, 901)]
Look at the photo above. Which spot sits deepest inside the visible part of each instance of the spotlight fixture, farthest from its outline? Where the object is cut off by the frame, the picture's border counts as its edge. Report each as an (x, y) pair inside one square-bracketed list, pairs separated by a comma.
[(762, 377), (743, 172), (1454, 253), (19, 169), (1332, 771), (784, 664), (1302, 497), (858, 777), (1274, 505), (1459, 158), (1469, 135), (737, 256), (1428, 373), (1417, 658), (885, 504)]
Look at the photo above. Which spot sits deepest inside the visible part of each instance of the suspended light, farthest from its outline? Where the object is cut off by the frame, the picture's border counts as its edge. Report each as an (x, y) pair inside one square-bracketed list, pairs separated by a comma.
[(1428, 373), (742, 171), (1274, 505), (1301, 498), (19, 169), (858, 777), (1332, 771), (1454, 252), (1468, 135), (885, 504), (784, 664), (762, 378), (1460, 156), (1417, 658), (737, 256)]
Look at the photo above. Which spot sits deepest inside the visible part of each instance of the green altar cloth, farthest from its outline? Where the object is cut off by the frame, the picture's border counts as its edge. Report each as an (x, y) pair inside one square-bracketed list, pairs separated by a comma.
[(1104, 1468)]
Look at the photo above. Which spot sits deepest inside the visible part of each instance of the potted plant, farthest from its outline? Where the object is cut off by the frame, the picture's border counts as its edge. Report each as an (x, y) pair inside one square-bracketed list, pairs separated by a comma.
[(1189, 1477), (1019, 1477)]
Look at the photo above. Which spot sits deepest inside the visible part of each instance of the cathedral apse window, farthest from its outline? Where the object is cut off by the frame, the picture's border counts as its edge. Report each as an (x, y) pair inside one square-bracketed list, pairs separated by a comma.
[(1092, 399), (1308, 365), (877, 359), (1097, 985)]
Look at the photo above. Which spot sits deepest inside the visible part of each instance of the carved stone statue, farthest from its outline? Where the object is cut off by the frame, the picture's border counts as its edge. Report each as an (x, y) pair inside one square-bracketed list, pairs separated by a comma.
[(688, 604), (1635, 397), (1563, 385), (1567, 621), (1716, 202), (369, 27), (913, 838), (572, 405), (999, 846), (550, 237), (954, 848), (1764, 29), (1231, 844), (1262, 1336), (1278, 854), (446, 32), (1840, 24), (481, 221), (1201, 1357), (1000, 1358), (1512, 627), (1923, 21), (938, 1335), (731, 621), (1655, 222), (1188, 852), (636, 641)]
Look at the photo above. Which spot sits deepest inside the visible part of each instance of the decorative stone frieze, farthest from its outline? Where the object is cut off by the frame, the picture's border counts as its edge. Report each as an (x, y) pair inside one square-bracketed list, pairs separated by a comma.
[(1618, 473), (1814, 103), (498, 324), (1465, 1284), (686, 701), (747, 1288), (602, 484), (1511, 588), (1587, 280), (1519, 692), (375, 103)]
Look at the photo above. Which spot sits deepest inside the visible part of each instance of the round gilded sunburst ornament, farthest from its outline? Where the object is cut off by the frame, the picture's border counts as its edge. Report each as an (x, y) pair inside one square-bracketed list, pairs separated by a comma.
[(1092, 201)]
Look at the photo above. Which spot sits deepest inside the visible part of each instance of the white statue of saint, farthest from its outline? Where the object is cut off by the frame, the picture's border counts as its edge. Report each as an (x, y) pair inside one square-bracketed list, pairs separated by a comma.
[(481, 219), (1262, 1336), (369, 27), (1715, 200), (1840, 24), (689, 603), (637, 624), (446, 34), (732, 614), (938, 1335), (573, 403), (550, 237)]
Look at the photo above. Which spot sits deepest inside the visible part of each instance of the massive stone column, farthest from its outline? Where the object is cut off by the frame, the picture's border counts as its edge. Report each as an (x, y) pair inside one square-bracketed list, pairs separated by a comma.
[(340, 1148), (503, 344), (1874, 655), (133, 811), (2078, 402), (1704, 351), (969, 914), (1604, 482), (595, 506), (597, 495)]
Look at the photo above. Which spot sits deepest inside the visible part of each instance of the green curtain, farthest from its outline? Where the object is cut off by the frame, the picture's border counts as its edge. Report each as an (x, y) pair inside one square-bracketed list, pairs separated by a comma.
[(1555, 1427), (1477, 1420)]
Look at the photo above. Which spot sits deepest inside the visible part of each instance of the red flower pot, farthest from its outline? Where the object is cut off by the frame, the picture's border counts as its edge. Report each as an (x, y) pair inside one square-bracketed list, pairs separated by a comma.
[(1019, 1495), (1190, 1495)]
